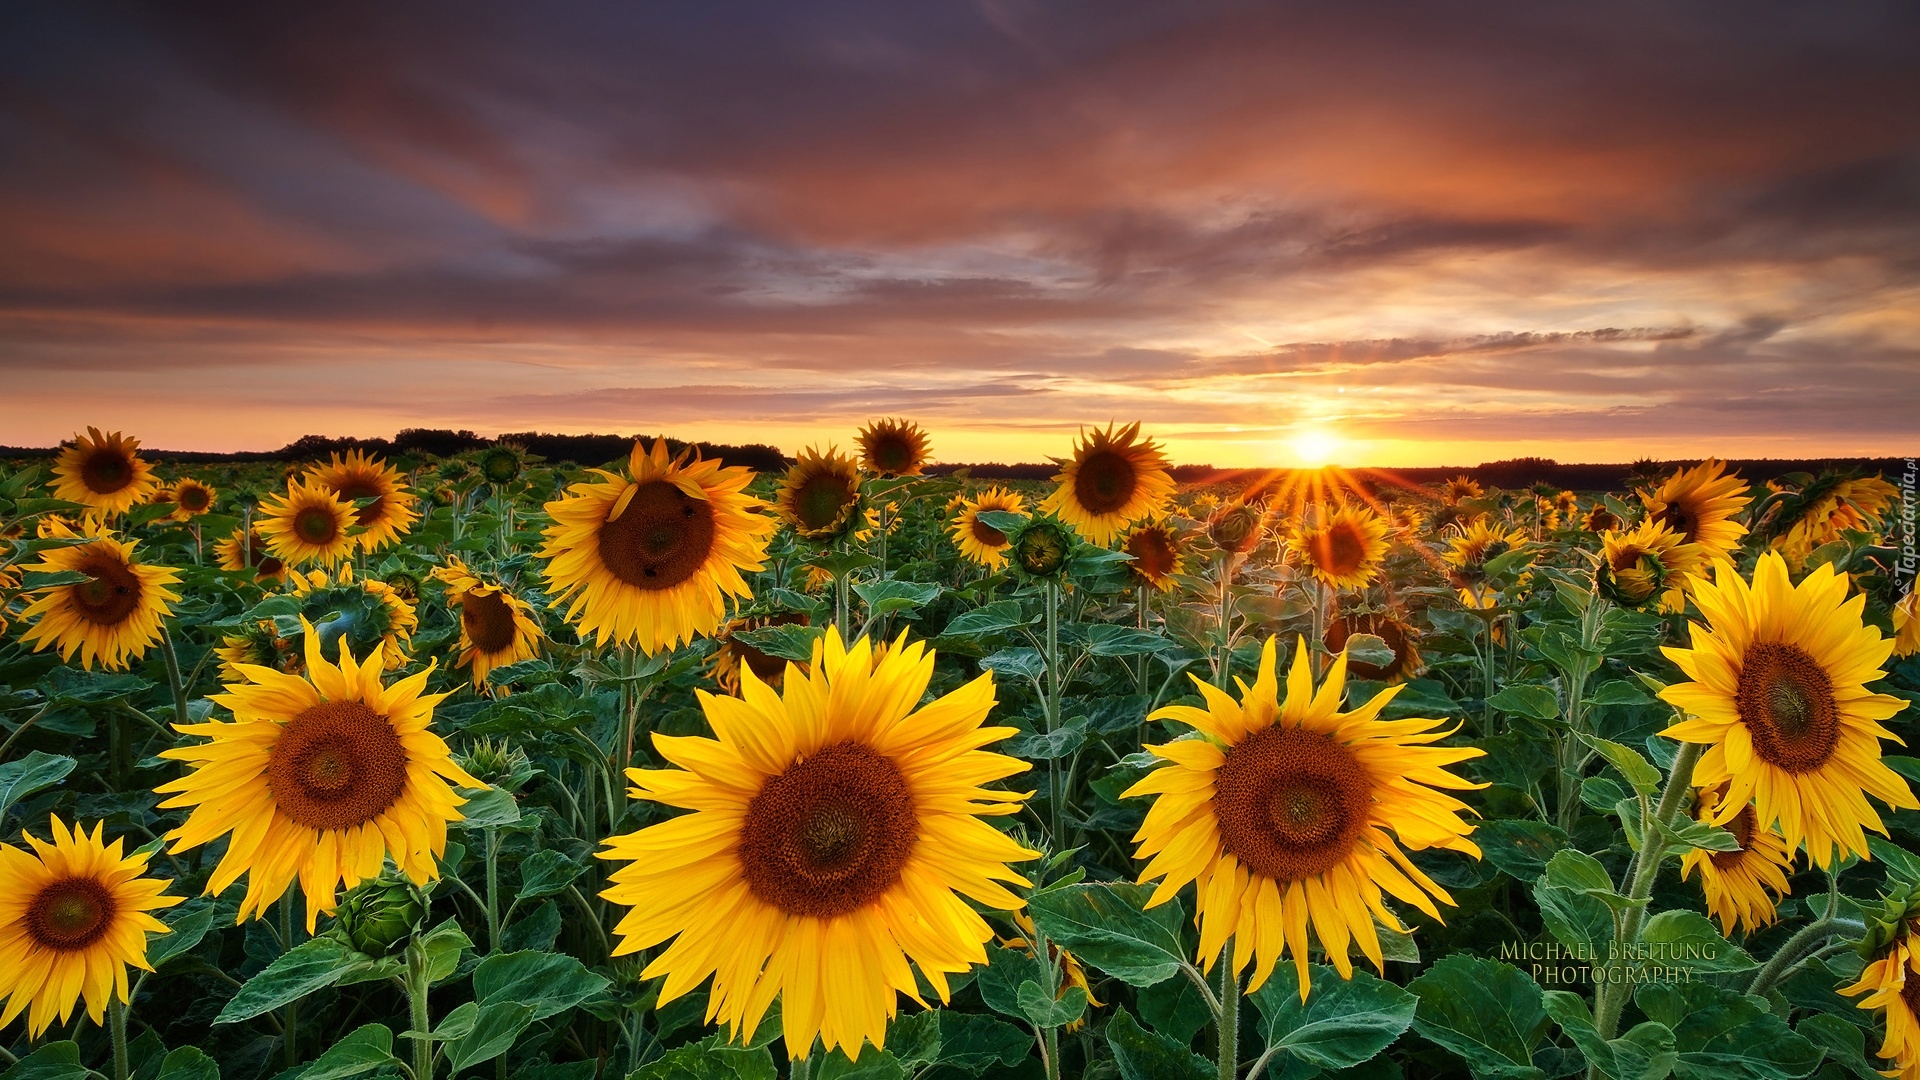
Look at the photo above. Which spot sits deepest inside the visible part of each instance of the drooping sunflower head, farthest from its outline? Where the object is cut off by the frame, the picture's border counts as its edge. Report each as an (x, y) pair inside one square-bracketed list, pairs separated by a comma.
[(1825, 509), (1159, 552), (190, 498), (321, 777), (235, 554), (1778, 697), (735, 654), (978, 541), (893, 447), (497, 628), (105, 472), (1237, 527), (260, 645), (1113, 478), (309, 523), (1343, 547), (363, 615), (1459, 489), (359, 476), (113, 616), (1041, 548), (405, 584), (1891, 979), (651, 558), (1287, 812), (1638, 565), (1476, 544), (835, 828), (502, 463), (1744, 886), (1600, 519), (1699, 504), (74, 914), (820, 496), (1390, 627)]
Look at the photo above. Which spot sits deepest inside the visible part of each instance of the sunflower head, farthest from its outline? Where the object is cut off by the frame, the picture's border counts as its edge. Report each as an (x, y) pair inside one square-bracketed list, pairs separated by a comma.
[(502, 463), (1824, 510), (1891, 978), (1906, 624), (893, 447), (1638, 565), (1342, 548), (1159, 552), (405, 585), (1390, 627), (1114, 478), (1041, 548), (734, 654), (1744, 886), (357, 477), (1600, 519), (1471, 548), (1460, 489), (258, 644), (1237, 527), (820, 496), (112, 616), (497, 763), (365, 614), (978, 541), (105, 472), (235, 553), (497, 628), (309, 523), (190, 498), (378, 917), (1699, 504)]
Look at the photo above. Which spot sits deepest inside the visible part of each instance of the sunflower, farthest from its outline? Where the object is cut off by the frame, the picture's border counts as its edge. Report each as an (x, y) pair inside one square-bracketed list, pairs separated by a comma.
[(1906, 624), (1407, 519), (502, 463), (190, 499), (260, 645), (652, 558), (1388, 626), (1202, 504), (1638, 565), (321, 776), (1343, 548), (820, 496), (1072, 973), (1473, 546), (366, 614), (1600, 519), (1891, 981), (1237, 527), (1778, 696), (1828, 508), (1459, 489), (1741, 886), (1566, 504), (893, 447), (1699, 504), (9, 582), (497, 628), (1113, 478), (835, 829), (310, 523), (105, 472), (234, 554), (1279, 814), (734, 654), (74, 914), (1159, 552), (979, 542), (357, 476), (114, 616)]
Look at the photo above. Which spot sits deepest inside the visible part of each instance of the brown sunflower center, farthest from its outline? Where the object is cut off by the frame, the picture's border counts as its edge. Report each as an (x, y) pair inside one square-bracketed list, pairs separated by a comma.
[(988, 535), (1339, 550), (1291, 803), (891, 452), (1786, 700), (336, 765), (1742, 827), (662, 538), (191, 499), (106, 470), (70, 914), (1152, 554), (1104, 482), (111, 592), (1910, 993), (1675, 517), (364, 488), (1384, 627), (488, 620), (820, 501), (316, 525), (830, 834)]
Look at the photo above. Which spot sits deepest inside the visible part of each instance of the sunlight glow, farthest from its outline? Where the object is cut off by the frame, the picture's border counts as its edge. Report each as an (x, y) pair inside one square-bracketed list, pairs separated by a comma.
[(1315, 448)]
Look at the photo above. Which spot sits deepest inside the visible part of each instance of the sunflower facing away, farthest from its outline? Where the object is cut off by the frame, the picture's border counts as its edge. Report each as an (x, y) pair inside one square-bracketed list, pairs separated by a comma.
[(74, 914), (1891, 979), (651, 558), (893, 447), (1742, 887), (1343, 549), (835, 828), (820, 496), (734, 654), (320, 777), (1280, 815), (1158, 553), (112, 617), (1830, 506), (979, 542), (497, 628), (307, 524), (1779, 699), (105, 472), (357, 476), (1388, 626), (234, 553), (1642, 563), (190, 499), (260, 645), (1473, 546), (1114, 478), (1699, 504)]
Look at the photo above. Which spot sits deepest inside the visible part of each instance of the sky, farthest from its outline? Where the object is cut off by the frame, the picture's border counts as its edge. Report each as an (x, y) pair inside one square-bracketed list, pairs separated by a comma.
[(1274, 233)]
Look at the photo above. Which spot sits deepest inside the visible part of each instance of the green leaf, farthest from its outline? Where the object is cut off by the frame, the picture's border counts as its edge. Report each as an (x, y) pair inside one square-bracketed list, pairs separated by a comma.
[(495, 1029), (976, 1043), (451, 1026), (1106, 639), (1022, 661), (914, 1038), (548, 982), (547, 872), (1341, 1024), (873, 1065), (1048, 745), (1174, 1008), (312, 965), (1146, 1055), (1618, 692), (1696, 834), (1519, 848), (897, 595), (1002, 520), (1108, 926), (1487, 1013), (488, 808), (1525, 699), (35, 772), (34, 580), (1898, 859), (1644, 1053), (536, 931), (842, 563), (443, 945), (364, 1049), (1047, 1011), (1632, 767), (788, 641), (1844, 1043), (190, 923), (995, 618), (708, 1059), (999, 982), (54, 1061), (1724, 1035), (1688, 940), (1369, 649)]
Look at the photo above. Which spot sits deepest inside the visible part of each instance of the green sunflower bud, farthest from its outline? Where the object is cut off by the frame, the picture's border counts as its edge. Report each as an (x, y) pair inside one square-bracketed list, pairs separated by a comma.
[(379, 917), (1041, 547), (1235, 528), (501, 465), (497, 763), (405, 585)]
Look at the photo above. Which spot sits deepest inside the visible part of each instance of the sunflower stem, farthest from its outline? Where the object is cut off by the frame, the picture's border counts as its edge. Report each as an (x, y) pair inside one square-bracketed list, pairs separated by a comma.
[(1610, 998), (117, 1024), (1224, 666), (1229, 1015), (493, 891), (1051, 712), (1144, 612), (842, 605), (290, 1022), (174, 682), (1805, 942), (801, 1068), (418, 1020)]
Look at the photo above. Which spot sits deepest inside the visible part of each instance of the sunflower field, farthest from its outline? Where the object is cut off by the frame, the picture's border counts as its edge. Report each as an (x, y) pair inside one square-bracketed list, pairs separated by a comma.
[(420, 767)]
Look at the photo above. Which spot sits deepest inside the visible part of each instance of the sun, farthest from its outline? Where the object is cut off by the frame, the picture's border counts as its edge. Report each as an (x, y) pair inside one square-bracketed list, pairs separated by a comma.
[(1315, 447)]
